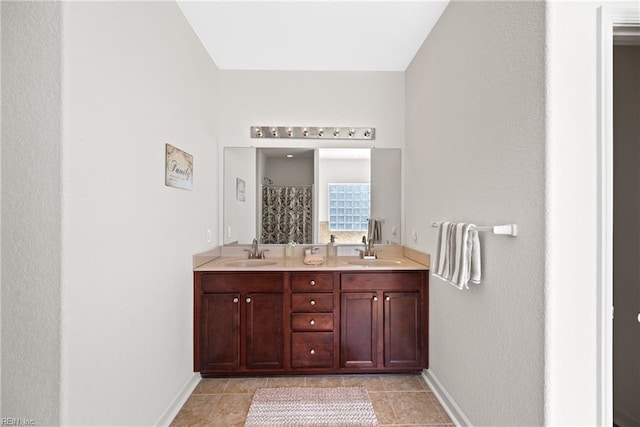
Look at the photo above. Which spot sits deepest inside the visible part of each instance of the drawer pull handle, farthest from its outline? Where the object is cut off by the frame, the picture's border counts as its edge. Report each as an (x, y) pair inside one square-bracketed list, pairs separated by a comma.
[(312, 282), (387, 299), (235, 300), (375, 298), (248, 300), (312, 322), (312, 351), (312, 302)]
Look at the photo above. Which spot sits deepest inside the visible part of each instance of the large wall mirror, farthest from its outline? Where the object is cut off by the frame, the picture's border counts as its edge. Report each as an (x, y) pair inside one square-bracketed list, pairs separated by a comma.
[(304, 195)]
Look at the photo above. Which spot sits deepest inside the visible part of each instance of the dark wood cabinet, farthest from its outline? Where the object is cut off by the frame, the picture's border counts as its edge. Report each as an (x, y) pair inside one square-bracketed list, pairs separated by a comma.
[(383, 321), (359, 330), (219, 337), (313, 307), (264, 331), (239, 322), (403, 330), (305, 322)]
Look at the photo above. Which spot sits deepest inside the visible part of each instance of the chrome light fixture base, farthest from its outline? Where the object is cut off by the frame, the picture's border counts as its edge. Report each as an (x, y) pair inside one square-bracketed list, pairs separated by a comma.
[(313, 132)]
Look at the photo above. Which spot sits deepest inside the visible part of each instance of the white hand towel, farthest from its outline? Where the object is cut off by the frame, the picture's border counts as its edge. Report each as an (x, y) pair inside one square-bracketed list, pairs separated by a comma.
[(313, 259), (458, 254), (442, 252), (475, 267)]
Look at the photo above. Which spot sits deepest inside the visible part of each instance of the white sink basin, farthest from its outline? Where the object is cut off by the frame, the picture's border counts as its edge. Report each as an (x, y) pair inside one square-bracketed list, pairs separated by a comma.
[(376, 262), (250, 263)]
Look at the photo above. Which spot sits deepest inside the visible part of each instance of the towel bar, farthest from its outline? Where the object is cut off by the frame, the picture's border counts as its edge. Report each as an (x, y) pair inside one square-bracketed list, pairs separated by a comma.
[(507, 229)]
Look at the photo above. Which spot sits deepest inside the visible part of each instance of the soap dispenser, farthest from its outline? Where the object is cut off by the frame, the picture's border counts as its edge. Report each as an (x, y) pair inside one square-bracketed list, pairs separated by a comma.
[(332, 249), (290, 249)]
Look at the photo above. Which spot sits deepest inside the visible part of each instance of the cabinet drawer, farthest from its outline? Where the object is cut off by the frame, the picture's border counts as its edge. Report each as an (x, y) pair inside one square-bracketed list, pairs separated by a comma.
[(313, 303), (312, 350), (311, 282), (400, 281), (312, 321), (241, 282)]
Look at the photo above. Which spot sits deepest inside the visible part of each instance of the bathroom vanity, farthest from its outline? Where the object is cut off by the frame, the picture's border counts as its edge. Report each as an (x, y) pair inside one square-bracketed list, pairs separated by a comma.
[(283, 317)]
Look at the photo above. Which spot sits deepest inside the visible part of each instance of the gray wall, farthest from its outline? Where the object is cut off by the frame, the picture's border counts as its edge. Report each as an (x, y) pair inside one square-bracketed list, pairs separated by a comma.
[(31, 210), (96, 250), (296, 171), (309, 98), (136, 77), (240, 223), (626, 237), (475, 153), (312, 98), (0, 207), (386, 200)]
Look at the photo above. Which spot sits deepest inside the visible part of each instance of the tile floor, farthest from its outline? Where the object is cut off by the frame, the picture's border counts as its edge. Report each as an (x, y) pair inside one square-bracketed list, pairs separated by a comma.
[(398, 400)]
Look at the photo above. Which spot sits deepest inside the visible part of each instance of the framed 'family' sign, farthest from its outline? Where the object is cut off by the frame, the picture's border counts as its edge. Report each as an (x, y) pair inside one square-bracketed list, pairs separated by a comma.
[(178, 168)]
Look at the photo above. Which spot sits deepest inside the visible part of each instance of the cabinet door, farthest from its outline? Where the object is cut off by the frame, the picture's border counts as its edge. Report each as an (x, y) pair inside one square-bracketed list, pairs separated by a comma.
[(264, 335), (402, 330), (220, 331), (359, 331)]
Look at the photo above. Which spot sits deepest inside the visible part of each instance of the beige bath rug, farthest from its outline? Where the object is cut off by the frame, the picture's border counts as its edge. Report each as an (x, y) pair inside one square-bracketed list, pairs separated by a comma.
[(304, 406)]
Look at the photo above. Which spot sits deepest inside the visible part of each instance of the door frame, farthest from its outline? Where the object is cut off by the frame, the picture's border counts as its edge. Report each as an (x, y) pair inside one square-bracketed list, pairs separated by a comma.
[(612, 21)]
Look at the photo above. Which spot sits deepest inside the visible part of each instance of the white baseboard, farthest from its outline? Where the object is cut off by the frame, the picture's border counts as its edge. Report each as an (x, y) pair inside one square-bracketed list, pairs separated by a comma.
[(170, 413), (623, 419), (453, 410)]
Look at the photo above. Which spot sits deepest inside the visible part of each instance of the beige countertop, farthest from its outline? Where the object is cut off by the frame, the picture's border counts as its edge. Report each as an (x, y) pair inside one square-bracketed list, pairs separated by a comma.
[(234, 258), (348, 263)]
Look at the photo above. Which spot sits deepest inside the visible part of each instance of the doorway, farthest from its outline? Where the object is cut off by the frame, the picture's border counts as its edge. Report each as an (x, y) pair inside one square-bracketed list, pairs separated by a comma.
[(616, 243), (626, 232)]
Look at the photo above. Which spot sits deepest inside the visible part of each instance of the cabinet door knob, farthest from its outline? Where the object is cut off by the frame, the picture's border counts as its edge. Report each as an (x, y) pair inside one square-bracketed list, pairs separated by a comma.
[(312, 351), (248, 300), (235, 300), (312, 302), (312, 322), (375, 298), (387, 299), (312, 282)]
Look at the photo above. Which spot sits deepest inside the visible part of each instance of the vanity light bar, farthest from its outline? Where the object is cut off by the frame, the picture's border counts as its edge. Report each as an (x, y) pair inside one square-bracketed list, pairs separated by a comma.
[(300, 132)]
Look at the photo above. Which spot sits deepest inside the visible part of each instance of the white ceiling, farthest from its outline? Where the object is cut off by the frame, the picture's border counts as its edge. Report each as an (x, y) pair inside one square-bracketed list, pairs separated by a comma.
[(313, 35)]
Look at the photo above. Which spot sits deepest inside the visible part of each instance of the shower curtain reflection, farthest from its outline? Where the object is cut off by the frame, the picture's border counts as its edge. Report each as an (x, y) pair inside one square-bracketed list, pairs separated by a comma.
[(287, 214)]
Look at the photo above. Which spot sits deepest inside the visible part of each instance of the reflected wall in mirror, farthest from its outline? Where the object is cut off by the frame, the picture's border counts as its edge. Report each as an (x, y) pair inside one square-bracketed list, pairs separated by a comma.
[(306, 194), (239, 217), (344, 194)]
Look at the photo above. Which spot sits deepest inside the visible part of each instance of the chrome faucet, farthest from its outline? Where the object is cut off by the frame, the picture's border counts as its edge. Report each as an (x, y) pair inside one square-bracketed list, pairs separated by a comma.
[(369, 251), (254, 252)]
